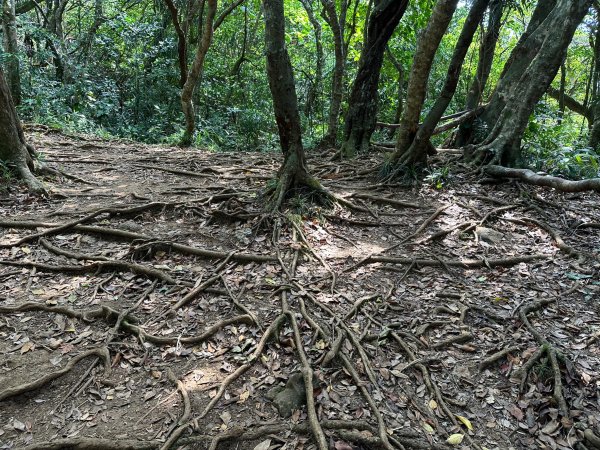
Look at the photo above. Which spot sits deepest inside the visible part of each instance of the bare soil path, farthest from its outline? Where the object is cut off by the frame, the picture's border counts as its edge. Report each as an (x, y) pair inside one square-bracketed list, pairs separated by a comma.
[(146, 305)]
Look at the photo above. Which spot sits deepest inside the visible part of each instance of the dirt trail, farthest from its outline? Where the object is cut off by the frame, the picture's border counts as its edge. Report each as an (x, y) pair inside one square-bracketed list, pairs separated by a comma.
[(142, 307)]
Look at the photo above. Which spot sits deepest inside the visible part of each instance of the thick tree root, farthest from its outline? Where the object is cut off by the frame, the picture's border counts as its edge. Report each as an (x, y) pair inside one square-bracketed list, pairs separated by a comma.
[(48, 377), (531, 177), (545, 349), (129, 235)]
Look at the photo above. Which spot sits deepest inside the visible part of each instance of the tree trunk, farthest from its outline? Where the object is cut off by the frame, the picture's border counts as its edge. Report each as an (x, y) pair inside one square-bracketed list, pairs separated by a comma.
[(362, 110), (418, 149), (9, 33), (181, 42), (518, 62), (551, 39), (594, 108), (193, 75), (315, 87), (13, 150), (484, 67), (337, 25), (293, 173), (429, 42), (400, 86)]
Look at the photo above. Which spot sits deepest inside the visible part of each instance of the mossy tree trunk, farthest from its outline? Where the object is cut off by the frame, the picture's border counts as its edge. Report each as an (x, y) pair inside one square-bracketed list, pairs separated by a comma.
[(14, 152), (536, 62), (362, 109), (293, 173), (429, 42), (418, 149)]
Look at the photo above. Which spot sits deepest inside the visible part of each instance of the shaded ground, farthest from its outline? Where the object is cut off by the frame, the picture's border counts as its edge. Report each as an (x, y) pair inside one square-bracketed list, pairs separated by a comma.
[(427, 315)]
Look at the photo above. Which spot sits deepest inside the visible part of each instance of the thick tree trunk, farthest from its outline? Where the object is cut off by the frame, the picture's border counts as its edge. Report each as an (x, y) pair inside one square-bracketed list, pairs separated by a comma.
[(293, 173), (13, 150), (518, 62), (362, 110), (429, 42), (418, 149), (187, 92), (552, 38), (484, 67), (9, 34), (337, 25)]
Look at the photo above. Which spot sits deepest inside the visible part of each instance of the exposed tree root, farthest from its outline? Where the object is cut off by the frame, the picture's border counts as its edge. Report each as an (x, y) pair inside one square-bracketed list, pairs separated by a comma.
[(465, 263), (48, 377), (530, 177), (545, 349), (187, 407), (490, 360), (96, 266), (129, 235), (269, 332)]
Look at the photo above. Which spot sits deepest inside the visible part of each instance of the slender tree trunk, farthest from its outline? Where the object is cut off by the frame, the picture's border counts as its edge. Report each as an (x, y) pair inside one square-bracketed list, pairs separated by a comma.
[(400, 86), (13, 149), (552, 36), (181, 42), (418, 149), (337, 25), (316, 86), (9, 34), (362, 110), (194, 73), (293, 173), (484, 67), (594, 141), (429, 42)]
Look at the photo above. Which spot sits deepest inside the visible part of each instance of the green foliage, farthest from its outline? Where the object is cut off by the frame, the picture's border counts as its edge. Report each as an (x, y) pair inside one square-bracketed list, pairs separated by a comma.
[(547, 149), (438, 177)]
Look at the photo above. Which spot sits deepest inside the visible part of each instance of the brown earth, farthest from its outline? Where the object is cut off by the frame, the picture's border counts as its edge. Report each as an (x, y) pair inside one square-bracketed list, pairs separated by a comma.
[(465, 312)]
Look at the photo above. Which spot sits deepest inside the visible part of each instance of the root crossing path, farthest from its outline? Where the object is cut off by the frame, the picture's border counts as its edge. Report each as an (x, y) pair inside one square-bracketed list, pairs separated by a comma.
[(148, 304)]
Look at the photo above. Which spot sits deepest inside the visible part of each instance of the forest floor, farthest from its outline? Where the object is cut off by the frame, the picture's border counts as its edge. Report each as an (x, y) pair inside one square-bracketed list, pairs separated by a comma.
[(145, 301)]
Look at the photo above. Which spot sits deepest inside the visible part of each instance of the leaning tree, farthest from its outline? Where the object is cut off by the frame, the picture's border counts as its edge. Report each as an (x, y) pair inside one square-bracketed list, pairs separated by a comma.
[(14, 151), (361, 117), (293, 174), (533, 64), (429, 42)]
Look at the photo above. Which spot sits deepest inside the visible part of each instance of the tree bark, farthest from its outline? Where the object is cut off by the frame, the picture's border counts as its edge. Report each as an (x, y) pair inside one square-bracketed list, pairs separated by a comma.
[(484, 67), (13, 149), (594, 108), (181, 42), (513, 108), (315, 87), (362, 109), (418, 149), (9, 34), (337, 23), (518, 62), (187, 92), (429, 42), (293, 173), (531, 177)]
